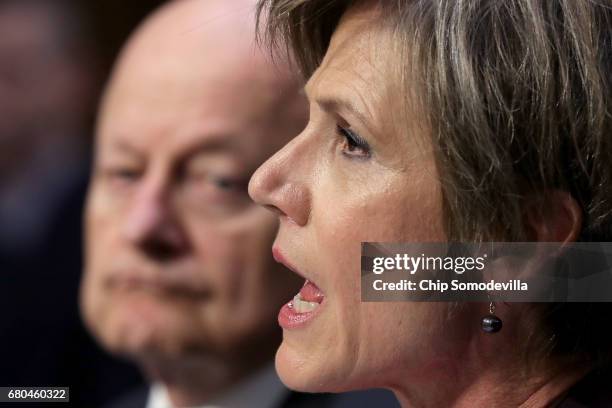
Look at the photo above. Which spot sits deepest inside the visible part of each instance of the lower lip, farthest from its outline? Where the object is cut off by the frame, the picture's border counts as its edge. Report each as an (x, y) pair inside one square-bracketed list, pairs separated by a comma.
[(289, 319), (135, 284)]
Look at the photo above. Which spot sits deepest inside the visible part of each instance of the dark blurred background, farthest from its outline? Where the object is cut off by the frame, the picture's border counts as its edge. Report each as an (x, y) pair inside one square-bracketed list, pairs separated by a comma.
[(55, 56)]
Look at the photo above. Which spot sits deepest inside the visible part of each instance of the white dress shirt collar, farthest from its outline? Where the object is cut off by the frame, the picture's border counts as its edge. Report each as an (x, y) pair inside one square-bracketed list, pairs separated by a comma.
[(261, 389)]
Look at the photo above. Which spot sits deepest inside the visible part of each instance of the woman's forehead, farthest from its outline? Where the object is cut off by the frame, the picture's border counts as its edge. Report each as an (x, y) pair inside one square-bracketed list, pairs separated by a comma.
[(357, 73), (352, 60), (359, 27)]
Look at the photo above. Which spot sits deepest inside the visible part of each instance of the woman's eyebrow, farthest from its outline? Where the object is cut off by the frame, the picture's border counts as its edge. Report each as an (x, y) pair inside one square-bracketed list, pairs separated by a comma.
[(336, 104)]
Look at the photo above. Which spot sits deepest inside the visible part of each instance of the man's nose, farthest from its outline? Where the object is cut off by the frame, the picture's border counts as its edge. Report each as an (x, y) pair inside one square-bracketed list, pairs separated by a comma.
[(151, 223), (281, 183)]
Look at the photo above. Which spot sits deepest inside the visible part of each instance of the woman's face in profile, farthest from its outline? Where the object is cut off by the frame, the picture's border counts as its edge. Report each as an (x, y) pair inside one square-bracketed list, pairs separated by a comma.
[(360, 171)]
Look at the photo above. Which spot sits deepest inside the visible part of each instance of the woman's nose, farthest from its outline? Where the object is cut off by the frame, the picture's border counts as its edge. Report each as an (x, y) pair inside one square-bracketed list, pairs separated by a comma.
[(281, 183)]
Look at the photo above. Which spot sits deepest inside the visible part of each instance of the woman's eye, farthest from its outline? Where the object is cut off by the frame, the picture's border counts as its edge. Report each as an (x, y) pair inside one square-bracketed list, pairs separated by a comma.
[(354, 145)]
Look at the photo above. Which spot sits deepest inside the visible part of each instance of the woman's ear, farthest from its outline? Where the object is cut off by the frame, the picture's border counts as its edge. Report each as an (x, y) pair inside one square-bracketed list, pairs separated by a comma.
[(553, 217)]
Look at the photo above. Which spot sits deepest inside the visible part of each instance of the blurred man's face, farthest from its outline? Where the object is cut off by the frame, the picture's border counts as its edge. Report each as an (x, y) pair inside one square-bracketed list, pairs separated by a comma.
[(178, 256), (44, 83)]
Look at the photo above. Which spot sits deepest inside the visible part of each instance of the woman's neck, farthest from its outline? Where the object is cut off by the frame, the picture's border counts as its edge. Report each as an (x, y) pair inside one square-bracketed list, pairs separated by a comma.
[(484, 376)]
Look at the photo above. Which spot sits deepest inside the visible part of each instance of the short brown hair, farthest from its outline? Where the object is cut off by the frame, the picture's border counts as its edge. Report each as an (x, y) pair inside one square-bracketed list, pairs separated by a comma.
[(517, 98)]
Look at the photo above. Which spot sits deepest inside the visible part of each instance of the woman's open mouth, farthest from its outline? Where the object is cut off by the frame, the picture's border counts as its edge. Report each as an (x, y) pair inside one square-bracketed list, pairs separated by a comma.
[(302, 308), (305, 304)]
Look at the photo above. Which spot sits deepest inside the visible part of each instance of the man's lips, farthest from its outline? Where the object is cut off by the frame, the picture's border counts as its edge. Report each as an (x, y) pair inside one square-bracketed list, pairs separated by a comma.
[(159, 283)]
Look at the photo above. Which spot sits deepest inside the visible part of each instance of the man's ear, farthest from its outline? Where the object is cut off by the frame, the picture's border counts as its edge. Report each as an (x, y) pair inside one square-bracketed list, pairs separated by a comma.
[(554, 216)]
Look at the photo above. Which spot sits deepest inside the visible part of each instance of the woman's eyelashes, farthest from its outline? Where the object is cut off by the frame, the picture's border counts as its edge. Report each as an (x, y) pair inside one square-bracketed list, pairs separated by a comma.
[(354, 146)]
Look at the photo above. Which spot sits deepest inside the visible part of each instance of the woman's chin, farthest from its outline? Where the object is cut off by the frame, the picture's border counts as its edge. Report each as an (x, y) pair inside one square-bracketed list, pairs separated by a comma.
[(291, 370), (303, 372)]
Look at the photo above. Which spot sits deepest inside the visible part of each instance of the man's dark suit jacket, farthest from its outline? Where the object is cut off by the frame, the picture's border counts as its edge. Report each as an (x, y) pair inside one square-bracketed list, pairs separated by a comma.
[(593, 391), (358, 399)]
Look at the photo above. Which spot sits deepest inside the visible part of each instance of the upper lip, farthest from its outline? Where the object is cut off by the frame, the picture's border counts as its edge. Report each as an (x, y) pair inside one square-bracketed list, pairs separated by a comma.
[(166, 282), (280, 258)]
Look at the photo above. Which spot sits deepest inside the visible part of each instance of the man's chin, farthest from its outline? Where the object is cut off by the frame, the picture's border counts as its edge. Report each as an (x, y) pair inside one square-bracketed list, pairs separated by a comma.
[(138, 334)]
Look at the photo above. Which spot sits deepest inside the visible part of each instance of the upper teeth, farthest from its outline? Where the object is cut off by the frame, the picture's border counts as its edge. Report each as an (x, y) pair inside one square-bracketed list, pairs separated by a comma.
[(303, 306)]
